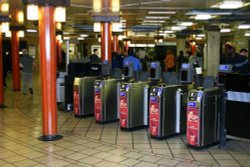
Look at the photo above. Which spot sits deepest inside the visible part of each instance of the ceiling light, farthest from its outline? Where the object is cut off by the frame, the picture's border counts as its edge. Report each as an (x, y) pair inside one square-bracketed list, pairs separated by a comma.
[(21, 34), (5, 7), (32, 12), (201, 35), (66, 33), (8, 34), (154, 21), (84, 35), (178, 28), (157, 17), (80, 39), (31, 30), (117, 27), (161, 12), (97, 6), (66, 38), (60, 14), (59, 26), (247, 34), (97, 27), (198, 38), (244, 26), (186, 23), (224, 30), (20, 17), (203, 17), (115, 5), (5, 27), (231, 4)]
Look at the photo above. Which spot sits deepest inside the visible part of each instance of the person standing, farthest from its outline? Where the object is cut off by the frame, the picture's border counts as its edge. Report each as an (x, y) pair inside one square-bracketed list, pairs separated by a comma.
[(27, 64), (181, 60), (170, 61), (135, 61), (94, 59)]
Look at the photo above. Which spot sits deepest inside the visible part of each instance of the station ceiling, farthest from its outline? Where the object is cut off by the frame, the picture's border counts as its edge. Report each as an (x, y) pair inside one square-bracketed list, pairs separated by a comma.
[(136, 14)]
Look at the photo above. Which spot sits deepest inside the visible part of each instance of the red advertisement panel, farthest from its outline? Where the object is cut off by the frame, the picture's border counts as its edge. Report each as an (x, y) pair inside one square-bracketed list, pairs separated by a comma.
[(123, 111), (76, 101), (154, 116), (98, 106), (193, 126)]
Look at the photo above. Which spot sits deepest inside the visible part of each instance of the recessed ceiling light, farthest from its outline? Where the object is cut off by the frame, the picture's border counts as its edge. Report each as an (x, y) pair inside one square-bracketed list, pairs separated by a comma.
[(244, 26), (201, 35), (66, 38), (178, 28), (231, 4), (66, 33), (186, 23), (247, 34), (161, 12), (31, 30), (203, 17), (84, 35), (157, 17), (154, 21), (80, 39), (224, 30)]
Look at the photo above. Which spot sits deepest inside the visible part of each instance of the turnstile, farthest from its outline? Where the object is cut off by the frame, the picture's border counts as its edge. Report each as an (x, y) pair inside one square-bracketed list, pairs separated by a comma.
[(167, 107), (203, 117), (133, 105), (84, 96), (105, 100), (60, 88)]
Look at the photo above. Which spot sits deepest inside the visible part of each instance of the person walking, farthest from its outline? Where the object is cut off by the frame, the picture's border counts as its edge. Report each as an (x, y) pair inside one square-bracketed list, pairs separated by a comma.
[(27, 64)]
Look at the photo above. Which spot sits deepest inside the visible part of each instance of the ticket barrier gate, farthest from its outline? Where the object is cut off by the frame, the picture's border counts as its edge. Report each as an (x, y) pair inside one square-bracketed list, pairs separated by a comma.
[(203, 117), (133, 105), (105, 100), (83, 96), (167, 108)]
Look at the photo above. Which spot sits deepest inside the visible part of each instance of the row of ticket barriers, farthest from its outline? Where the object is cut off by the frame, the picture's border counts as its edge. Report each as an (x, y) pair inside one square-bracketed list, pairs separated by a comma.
[(168, 110)]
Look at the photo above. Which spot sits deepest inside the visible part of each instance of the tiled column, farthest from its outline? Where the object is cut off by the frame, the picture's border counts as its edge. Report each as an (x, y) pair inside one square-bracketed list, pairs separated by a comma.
[(48, 72), (15, 60), (181, 45), (212, 59)]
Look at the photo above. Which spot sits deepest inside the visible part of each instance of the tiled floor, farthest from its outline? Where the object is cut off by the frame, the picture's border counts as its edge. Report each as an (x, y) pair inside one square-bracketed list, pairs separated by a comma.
[(86, 143)]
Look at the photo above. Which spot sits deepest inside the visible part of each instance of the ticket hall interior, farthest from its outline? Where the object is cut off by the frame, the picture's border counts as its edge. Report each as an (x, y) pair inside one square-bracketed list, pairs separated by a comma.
[(124, 83)]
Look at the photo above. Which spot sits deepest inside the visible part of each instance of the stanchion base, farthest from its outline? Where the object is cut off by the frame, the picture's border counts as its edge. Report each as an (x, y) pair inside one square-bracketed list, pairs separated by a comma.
[(50, 137), (3, 106)]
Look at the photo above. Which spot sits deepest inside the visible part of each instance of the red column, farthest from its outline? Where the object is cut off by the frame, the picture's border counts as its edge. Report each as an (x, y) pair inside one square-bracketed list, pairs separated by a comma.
[(15, 60), (1, 73), (106, 41), (58, 52), (115, 43), (48, 72)]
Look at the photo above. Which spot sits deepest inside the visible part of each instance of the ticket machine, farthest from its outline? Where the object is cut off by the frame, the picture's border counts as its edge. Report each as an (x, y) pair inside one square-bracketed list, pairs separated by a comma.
[(186, 73), (203, 117), (224, 69)]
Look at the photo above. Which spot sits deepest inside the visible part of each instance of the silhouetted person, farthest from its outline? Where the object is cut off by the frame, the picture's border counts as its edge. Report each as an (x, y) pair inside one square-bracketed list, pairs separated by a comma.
[(94, 59)]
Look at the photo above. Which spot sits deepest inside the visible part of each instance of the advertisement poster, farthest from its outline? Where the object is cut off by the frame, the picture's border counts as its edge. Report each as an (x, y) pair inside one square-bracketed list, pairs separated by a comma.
[(123, 111), (98, 106), (76, 101), (154, 118), (193, 126)]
